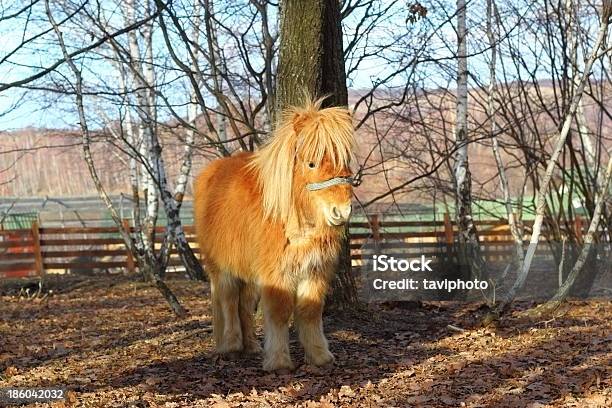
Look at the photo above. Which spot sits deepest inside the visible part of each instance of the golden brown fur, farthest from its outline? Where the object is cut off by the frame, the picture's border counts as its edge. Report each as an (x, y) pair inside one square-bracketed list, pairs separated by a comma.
[(262, 233)]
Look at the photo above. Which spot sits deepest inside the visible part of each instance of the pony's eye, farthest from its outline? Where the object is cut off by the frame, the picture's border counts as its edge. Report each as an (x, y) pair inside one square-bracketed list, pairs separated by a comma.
[(311, 165)]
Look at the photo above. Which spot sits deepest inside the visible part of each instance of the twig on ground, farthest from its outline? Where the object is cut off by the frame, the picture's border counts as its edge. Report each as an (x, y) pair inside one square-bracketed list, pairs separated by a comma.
[(455, 328)]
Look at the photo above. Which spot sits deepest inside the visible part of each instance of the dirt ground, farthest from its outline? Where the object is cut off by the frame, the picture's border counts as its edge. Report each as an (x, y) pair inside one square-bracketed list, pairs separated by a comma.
[(114, 343)]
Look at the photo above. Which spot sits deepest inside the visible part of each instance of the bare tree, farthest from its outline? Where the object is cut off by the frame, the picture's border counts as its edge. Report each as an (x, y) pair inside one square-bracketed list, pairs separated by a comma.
[(144, 256), (589, 241), (541, 204)]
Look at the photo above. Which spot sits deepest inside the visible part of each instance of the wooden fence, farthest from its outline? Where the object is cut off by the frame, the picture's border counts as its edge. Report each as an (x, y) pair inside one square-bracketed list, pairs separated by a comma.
[(39, 250)]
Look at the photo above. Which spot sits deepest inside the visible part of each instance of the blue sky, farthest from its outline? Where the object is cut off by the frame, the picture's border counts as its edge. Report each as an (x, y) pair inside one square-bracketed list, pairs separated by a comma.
[(42, 109)]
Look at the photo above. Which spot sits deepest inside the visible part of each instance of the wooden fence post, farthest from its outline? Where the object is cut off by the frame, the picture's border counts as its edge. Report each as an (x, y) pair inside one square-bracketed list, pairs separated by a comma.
[(448, 236), (38, 259), (375, 229), (448, 230), (578, 228), (130, 259)]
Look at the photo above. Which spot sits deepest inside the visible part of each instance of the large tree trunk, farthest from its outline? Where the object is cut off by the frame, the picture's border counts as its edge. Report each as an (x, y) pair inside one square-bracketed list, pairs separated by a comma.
[(310, 54), (311, 61)]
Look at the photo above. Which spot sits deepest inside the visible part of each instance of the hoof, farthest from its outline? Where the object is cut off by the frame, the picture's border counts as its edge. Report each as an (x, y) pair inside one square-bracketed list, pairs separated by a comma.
[(252, 347), (230, 345), (231, 355), (322, 359), (279, 364)]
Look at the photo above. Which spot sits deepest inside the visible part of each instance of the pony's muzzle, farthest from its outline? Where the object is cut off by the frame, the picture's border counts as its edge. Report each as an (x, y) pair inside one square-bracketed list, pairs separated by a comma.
[(339, 214)]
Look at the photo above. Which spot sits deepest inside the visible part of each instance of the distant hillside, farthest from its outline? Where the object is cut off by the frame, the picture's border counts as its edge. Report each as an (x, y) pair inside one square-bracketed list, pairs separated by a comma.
[(50, 162), (42, 162)]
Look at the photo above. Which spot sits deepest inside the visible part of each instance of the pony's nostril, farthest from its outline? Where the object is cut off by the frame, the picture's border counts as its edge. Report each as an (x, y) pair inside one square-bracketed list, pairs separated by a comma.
[(335, 212)]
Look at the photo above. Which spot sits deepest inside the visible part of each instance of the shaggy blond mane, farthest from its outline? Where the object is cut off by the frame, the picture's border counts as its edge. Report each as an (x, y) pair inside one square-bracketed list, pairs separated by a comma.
[(313, 133)]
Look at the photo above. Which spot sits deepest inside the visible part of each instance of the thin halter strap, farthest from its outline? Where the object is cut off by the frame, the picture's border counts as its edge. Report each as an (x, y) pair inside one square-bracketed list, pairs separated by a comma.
[(329, 183)]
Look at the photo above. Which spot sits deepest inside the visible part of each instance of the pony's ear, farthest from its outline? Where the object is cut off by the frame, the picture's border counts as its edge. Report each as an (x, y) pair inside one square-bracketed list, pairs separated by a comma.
[(299, 120)]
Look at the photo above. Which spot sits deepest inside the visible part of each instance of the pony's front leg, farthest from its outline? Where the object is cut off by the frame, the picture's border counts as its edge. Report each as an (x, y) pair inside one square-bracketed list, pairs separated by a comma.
[(309, 321), (277, 309)]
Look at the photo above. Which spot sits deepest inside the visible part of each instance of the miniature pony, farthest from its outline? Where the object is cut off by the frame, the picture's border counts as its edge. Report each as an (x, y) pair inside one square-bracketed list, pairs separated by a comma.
[(270, 226)]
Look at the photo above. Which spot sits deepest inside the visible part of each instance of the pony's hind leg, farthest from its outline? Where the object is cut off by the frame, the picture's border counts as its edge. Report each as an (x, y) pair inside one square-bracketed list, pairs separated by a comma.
[(249, 297), (277, 310), (217, 311), (308, 319), (226, 321)]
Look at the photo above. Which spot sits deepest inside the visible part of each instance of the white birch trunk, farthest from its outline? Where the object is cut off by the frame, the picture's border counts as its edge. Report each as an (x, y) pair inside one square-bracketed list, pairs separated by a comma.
[(571, 14), (134, 143), (469, 249), (140, 70), (145, 261), (461, 170), (172, 203)]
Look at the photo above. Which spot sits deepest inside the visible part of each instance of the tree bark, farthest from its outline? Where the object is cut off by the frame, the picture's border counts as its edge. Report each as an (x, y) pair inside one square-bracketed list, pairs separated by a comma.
[(154, 171), (468, 251), (311, 62), (310, 54)]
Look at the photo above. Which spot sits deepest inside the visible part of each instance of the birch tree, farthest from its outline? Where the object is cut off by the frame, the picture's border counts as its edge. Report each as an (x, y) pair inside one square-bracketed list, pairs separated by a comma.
[(515, 231), (139, 69), (469, 247), (146, 260)]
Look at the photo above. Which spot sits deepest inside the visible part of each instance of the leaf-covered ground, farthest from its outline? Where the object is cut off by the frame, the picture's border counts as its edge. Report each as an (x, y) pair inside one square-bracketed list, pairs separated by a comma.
[(114, 343)]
